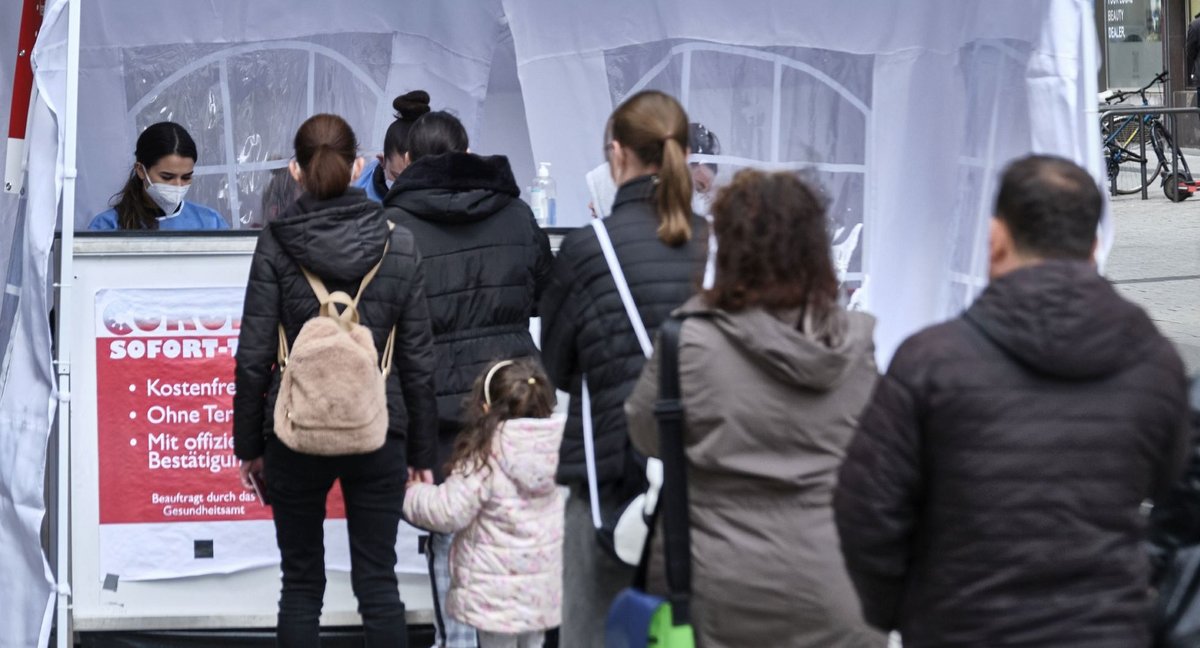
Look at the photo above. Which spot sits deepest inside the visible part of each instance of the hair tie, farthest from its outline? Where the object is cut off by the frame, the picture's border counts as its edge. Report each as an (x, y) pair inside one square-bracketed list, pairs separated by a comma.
[(487, 381)]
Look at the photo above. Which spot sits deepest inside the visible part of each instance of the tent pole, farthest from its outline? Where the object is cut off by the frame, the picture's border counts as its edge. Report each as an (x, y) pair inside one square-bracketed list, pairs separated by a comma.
[(66, 321)]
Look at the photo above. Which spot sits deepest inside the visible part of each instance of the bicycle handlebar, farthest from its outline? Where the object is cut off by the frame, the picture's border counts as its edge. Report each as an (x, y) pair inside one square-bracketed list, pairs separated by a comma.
[(1120, 95)]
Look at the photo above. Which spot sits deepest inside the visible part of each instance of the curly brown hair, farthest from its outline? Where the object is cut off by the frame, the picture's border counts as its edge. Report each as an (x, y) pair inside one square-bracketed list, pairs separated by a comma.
[(774, 249), (517, 390)]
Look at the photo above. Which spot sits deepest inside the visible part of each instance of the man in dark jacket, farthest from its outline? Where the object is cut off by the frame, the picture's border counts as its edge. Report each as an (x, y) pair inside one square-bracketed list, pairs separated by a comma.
[(992, 495)]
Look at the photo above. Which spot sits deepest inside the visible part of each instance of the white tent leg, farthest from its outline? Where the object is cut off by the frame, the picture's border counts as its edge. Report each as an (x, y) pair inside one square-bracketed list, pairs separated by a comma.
[(66, 319)]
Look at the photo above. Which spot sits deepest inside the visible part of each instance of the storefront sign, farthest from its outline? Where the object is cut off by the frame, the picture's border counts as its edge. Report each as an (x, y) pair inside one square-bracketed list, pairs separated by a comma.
[(1132, 41)]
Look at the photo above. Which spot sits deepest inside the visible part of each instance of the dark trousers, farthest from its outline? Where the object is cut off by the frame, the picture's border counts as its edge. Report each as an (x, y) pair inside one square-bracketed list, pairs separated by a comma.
[(373, 486)]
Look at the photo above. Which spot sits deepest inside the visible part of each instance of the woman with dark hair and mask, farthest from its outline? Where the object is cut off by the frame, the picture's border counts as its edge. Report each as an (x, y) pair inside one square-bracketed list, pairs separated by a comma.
[(161, 176), (377, 177), (486, 262), (774, 376)]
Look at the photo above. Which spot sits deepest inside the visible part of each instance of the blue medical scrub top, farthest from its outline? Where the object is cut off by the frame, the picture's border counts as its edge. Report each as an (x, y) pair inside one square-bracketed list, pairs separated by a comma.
[(190, 217), (366, 180)]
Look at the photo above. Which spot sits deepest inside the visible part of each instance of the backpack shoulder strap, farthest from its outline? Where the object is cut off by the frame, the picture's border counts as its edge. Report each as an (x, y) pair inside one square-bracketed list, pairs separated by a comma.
[(318, 286), (367, 278), (350, 314)]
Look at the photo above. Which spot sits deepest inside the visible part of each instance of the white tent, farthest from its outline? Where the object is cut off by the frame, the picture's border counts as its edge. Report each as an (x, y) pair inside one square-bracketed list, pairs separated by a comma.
[(905, 112)]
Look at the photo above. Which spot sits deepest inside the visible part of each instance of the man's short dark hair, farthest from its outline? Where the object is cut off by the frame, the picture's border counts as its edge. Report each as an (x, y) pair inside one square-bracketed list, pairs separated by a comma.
[(1052, 207)]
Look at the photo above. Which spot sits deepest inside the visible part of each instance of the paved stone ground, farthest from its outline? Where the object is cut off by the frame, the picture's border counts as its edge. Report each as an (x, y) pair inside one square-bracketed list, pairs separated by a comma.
[(1155, 262)]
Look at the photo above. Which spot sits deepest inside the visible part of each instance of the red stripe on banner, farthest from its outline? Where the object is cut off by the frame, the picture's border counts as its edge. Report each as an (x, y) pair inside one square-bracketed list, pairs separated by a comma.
[(31, 22)]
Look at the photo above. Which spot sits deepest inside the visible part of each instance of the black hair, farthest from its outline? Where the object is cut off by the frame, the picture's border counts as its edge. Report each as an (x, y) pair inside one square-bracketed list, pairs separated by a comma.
[(436, 133), (409, 107), (281, 191), (1051, 206), (702, 141), (135, 209)]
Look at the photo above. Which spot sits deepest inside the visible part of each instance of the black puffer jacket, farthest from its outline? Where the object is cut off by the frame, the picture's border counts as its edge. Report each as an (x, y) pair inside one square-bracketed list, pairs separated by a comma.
[(486, 262), (339, 240), (992, 494), (585, 329)]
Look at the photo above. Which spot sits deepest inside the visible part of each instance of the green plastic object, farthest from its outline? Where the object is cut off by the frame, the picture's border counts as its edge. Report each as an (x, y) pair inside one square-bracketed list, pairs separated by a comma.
[(664, 634)]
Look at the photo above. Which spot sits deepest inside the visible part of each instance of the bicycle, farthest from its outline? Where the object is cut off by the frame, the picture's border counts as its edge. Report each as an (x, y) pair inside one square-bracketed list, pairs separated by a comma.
[(1123, 149)]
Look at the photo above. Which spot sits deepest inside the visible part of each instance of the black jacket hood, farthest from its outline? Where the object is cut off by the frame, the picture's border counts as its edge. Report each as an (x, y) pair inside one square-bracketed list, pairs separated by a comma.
[(339, 239), (1062, 319), (455, 187)]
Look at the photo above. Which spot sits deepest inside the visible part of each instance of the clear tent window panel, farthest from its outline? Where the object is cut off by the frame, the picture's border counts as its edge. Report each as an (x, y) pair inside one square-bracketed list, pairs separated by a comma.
[(242, 104), (802, 110)]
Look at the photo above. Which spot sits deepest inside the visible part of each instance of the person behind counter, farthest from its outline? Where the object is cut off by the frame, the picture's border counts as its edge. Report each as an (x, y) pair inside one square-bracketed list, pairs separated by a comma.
[(378, 176), (153, 198)]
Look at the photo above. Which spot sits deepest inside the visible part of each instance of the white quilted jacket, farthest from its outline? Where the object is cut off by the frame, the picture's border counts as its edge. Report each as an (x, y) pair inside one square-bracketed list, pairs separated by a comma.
[(506, 559)]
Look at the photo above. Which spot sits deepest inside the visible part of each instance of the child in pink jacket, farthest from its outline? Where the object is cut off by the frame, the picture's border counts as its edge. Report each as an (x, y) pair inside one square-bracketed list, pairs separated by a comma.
[(504, 507)]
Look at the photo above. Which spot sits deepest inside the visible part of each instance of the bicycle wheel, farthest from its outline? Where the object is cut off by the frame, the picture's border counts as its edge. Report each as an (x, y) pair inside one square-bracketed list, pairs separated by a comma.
[(1167, 145), (1123, 156), (1125, 167)]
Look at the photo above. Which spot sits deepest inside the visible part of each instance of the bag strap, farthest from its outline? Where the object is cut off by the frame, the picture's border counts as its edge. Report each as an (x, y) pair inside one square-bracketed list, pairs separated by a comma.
[(669, 411), (643, 338), (614, 268), (347, 316)]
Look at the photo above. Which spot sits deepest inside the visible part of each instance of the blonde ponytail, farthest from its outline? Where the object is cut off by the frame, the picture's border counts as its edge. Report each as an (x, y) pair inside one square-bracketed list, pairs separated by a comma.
[(674, 196), (654, 127)]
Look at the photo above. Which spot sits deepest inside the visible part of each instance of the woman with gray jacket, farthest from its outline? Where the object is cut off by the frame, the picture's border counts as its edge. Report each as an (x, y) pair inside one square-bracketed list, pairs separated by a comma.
[(774, 375)]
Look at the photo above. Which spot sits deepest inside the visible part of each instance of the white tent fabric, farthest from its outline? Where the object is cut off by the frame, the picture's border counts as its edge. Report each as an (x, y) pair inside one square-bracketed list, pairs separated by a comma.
[(27, 393), (10, 14), (925, 102), (904, 112), (243, 76)]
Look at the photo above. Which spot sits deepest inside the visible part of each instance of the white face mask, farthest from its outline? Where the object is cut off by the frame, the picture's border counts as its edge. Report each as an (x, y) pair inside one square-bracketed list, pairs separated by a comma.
[(168, 197), (701, 205), (602, 188)]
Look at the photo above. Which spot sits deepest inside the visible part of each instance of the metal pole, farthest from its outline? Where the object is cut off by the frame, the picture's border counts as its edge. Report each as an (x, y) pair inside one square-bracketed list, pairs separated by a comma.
[(1174, 155), (66, 320), (1142, 145)]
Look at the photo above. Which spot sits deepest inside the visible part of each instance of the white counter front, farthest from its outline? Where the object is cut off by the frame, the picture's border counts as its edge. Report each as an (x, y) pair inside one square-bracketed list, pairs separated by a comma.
[(163, 536)]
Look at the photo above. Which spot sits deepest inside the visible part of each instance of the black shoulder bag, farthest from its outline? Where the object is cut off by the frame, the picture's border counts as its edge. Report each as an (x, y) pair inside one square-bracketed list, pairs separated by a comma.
[(637, 619)]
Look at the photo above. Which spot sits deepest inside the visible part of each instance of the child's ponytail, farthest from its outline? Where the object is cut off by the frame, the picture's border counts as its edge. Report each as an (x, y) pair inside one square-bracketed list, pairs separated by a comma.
[(509, 389)]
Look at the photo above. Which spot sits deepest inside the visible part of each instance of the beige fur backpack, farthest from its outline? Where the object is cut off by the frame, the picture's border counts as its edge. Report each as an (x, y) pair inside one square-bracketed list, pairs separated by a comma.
[(333, 394)]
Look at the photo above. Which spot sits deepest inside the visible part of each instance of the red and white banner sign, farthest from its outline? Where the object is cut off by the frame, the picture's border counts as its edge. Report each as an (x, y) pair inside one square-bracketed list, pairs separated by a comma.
[(171, 503)]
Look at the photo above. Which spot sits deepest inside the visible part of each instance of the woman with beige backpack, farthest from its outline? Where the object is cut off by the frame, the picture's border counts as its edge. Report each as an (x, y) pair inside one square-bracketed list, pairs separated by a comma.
[(335, 382)]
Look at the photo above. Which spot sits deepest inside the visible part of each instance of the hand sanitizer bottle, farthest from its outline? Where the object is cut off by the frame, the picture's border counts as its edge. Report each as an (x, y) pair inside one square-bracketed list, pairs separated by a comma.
[(542, 196)]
